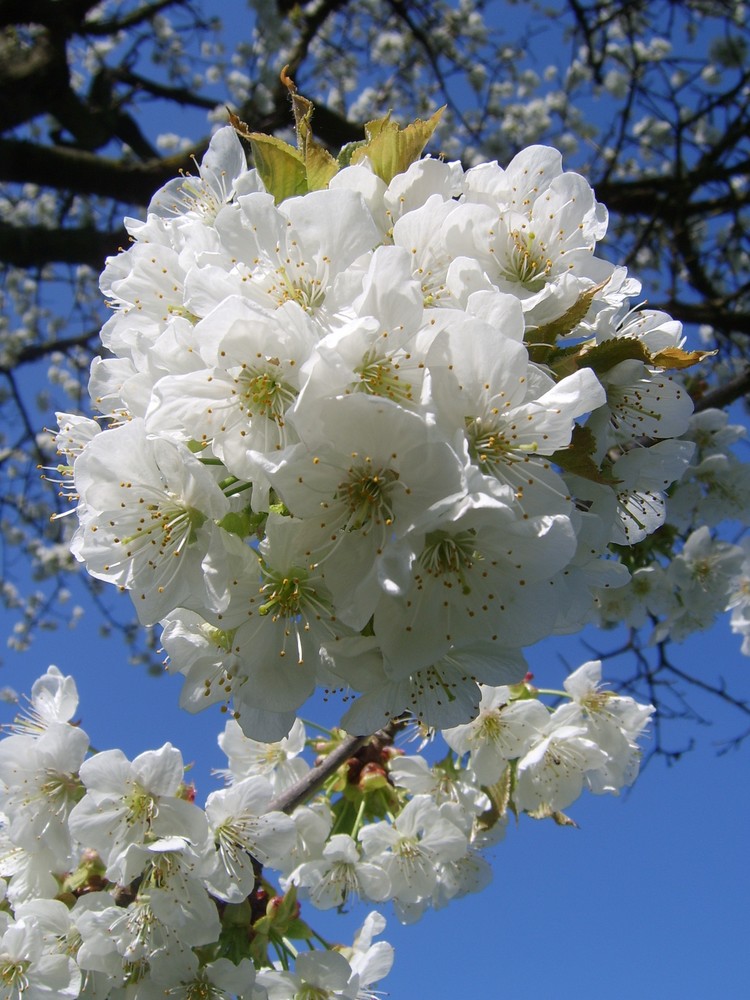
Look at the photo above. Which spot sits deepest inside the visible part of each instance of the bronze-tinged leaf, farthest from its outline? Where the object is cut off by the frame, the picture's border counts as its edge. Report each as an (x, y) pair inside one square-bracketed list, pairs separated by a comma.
[(499, 796), (676, 358), (547, 812), (281, 166), (390, 149), (238, 125)]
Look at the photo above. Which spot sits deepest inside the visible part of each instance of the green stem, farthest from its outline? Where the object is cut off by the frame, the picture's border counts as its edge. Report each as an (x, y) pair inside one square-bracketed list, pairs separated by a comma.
[(315, 725), (289, 947), (236, 488), (358, 820)]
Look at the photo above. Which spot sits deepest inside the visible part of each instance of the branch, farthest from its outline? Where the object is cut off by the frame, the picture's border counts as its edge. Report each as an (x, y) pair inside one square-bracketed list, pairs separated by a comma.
[(65, 14), (664, 196), (79, 171), (349, 747), (706, 314), (725, 394), (35, 352), (180, 95), (316, 776), (33, 246)]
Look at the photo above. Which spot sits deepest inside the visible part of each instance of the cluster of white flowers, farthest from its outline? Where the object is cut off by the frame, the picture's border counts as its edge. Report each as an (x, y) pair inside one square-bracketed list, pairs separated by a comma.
[(376, 437), (681, 592), (116, 885)]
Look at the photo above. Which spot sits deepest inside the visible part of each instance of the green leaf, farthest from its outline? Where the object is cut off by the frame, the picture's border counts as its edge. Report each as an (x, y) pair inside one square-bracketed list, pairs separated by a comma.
[(603, 357), (233, 940), (281, 167), (577, 458), (391, 150), (546, 336), (320, 166), (243, 523), (347, 152), (565, 361)]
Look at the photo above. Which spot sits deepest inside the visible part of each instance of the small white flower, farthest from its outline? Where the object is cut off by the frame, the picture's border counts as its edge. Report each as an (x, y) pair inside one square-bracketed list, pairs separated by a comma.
[(278, 761), (552, 771), (340, 874), (134, 802), (410, 848), (246, 834)]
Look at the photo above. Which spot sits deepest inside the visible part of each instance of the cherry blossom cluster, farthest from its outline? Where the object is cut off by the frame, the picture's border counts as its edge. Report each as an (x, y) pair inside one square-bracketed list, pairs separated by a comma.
[(684, 592), (115, 884), (376, 437)]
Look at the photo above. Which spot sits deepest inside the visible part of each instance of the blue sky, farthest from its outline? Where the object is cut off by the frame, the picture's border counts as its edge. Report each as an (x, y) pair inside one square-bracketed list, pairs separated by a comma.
[(647, 899)]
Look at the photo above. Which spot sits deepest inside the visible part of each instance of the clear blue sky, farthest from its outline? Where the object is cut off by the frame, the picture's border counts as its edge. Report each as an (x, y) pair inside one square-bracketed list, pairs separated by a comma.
[(648, 899)]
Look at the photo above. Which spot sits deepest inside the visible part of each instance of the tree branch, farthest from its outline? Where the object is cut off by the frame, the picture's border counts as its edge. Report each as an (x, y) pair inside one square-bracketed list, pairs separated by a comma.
[(65, 14), (35, 352), (34, 246), (301, 790), (82, 172), (725, 394), (726, 321)]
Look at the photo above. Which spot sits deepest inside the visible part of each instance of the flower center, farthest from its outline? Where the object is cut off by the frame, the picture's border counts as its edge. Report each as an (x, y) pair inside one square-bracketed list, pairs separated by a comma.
[(176, 524), (526, 261), (308, 992), (379, 377), (306, 292), (140, 805), (596, 701), (446, 554), (61, 790), (489, 730), (13, 975), (263, 394), (285, 594), (488, 446), (198, 196), (197, 990), (367, 496), (221, 638)]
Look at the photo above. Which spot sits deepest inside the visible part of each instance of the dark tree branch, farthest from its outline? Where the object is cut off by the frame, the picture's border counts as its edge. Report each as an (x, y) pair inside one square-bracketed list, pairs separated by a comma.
[(33, 246), (36, 352), (725, 394), (178, 95), (724, 321), (83, 172), (307, 785), (65, 15)]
